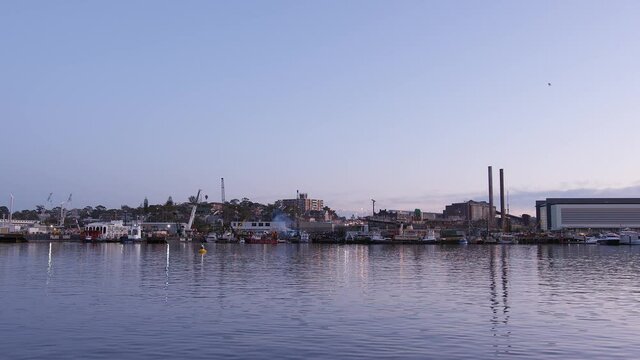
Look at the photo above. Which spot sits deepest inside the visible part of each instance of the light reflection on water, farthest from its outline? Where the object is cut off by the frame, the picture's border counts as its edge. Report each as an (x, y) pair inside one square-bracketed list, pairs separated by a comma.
[(103, 301)]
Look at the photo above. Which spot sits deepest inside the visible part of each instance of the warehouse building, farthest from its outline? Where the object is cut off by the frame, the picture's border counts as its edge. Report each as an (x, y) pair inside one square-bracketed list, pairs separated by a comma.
[(588, 213)]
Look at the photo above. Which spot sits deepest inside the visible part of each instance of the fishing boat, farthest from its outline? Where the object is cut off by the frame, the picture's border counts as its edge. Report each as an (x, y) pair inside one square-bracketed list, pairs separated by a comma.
[(135, 233), (262, 238), (430, 237)]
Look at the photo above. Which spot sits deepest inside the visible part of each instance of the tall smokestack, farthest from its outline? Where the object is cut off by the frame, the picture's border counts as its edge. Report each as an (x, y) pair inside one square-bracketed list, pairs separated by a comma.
[(503, 216), (491, 214), (222, 189)]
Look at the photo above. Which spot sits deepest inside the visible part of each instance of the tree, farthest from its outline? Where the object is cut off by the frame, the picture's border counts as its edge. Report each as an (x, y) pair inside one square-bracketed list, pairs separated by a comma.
[(169, 202), (145, 205)]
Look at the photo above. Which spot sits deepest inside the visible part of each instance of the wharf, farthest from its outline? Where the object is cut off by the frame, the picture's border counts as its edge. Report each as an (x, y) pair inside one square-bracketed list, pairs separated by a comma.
[(12, 238)]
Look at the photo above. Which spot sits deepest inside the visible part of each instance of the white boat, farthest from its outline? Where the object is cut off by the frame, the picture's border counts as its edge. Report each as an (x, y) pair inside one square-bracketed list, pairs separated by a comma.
[(211, 237), (407, 234), (629, 237), (135, 232), (505, 239), (592, 240), (304, 237), (604, 239), (377, 237), (463, 241), (430, 237)]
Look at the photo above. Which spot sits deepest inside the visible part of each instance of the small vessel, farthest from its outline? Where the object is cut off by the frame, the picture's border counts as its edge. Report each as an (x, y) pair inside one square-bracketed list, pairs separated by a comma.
[(592, 240), (262, 238), (608, 239), (502, 238), (211, 237), (430, 237), (629, 237), (135, 233), (376, 237), (304, 237), (407, 234)]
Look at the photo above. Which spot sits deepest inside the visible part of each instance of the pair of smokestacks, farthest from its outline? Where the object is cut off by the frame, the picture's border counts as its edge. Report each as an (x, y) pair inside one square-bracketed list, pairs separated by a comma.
[(492, 215)]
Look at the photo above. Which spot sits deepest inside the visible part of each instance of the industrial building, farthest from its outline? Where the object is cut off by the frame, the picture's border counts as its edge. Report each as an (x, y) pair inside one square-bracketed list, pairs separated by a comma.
[(588, 213), (470, 210)]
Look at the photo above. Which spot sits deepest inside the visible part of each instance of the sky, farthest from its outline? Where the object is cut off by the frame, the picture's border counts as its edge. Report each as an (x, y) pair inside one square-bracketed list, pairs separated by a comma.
[(406, 102)]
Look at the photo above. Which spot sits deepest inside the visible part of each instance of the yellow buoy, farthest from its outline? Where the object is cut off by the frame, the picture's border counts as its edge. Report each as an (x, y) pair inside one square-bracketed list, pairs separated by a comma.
[(202, 250)]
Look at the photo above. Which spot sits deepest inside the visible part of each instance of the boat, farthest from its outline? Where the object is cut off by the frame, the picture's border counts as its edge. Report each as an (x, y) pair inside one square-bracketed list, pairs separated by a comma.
[(407, 234), (430, 237), (304, 237), (608, 239), (212, 237), (135, 233), (592, 240), (502, 238), (629, 237), (377, 238), (262, 238)]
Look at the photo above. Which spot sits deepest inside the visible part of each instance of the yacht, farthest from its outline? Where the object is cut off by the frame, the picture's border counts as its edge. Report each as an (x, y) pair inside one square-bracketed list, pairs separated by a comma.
[(629, 237), (606, 239)]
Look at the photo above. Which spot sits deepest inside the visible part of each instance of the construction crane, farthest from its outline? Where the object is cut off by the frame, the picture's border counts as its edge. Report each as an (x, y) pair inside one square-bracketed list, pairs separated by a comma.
[(193, 211)]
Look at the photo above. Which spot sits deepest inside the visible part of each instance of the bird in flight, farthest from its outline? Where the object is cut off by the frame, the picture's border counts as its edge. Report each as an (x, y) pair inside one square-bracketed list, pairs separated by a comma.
[(548, 84)]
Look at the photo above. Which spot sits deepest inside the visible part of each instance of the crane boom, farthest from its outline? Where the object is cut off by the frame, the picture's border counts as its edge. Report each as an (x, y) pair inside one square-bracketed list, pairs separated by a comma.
[(193, 211)]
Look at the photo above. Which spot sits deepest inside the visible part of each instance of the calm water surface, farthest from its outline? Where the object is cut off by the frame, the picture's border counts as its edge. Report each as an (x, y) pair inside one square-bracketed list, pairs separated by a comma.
[(149, 301)]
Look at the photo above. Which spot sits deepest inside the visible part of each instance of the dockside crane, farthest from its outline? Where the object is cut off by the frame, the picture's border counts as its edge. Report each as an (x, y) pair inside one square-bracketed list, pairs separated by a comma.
[(187, 230), (63, 210)]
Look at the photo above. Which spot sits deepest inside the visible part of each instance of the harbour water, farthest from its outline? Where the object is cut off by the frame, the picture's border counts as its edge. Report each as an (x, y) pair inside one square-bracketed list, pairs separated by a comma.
[(293, 301)]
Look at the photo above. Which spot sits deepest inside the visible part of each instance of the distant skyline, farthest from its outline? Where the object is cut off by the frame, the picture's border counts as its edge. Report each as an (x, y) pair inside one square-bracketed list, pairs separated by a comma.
[(406, 102)]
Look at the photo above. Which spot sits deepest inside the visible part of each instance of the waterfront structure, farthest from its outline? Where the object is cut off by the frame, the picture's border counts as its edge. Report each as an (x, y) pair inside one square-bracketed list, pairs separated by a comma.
[(170, 228), (106, 230), (470, 210), (588, 213), (259, 226), (303, 204)]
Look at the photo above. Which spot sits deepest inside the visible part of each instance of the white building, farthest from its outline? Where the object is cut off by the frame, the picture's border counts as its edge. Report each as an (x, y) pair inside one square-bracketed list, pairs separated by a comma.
[(588, 213)]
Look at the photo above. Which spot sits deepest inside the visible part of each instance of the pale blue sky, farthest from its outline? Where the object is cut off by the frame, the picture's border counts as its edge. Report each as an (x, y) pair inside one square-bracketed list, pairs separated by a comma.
[(403, 101)]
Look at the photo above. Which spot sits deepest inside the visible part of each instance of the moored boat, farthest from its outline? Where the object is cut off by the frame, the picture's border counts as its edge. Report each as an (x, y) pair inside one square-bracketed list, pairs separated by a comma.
[(629, 237)]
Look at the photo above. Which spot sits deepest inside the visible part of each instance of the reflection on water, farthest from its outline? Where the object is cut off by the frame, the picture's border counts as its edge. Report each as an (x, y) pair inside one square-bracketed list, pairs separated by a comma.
[(318, 301)]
